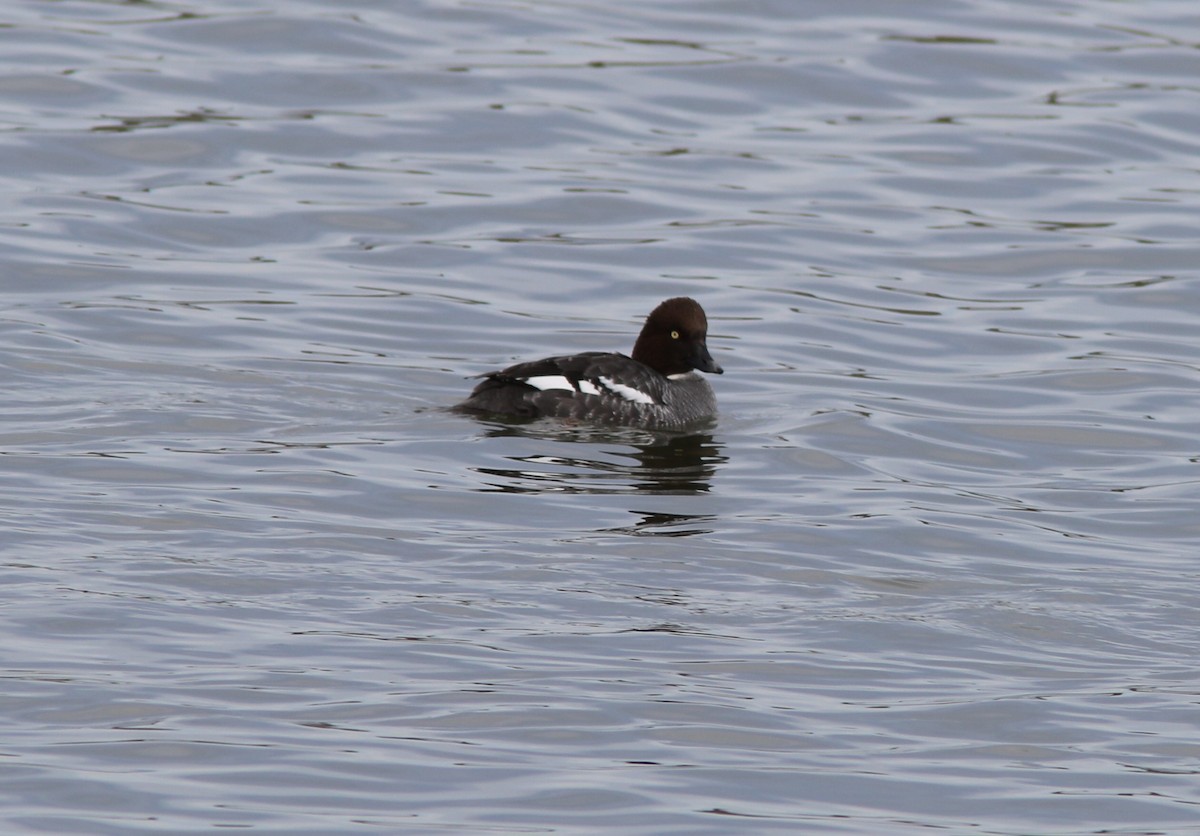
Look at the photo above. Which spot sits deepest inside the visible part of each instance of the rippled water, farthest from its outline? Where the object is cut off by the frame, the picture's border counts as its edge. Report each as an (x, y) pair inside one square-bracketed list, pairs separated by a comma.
[(935, 566)]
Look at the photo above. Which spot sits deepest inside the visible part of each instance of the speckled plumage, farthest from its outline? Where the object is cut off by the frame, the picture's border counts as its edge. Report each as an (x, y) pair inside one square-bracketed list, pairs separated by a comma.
[(655, 388)]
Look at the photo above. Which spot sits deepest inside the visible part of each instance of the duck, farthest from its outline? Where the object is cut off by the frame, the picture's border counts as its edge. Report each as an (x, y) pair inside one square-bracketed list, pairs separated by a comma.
[(657, 386)]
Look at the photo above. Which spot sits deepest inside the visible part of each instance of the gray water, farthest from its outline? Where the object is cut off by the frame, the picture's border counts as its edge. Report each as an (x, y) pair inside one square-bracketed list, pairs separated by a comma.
[(935, 566)]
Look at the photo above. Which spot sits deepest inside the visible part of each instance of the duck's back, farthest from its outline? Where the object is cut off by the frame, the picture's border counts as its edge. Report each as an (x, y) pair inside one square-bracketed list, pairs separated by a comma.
[(596, 387)]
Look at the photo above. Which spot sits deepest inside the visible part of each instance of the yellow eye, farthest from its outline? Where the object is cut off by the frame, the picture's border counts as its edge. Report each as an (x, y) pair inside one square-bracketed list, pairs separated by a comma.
[(674, 335)]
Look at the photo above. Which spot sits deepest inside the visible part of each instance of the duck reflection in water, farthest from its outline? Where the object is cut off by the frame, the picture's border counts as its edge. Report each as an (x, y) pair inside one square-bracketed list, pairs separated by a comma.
[(649, 462)]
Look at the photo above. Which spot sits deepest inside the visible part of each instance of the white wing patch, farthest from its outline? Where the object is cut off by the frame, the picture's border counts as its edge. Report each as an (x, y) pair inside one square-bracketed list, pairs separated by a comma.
[(587, 387), (629, 393), (550, 381), (558, 381)]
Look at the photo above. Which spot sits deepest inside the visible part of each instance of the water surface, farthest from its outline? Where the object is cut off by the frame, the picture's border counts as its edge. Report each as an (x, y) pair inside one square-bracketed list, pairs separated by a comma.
[(933, 567)]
